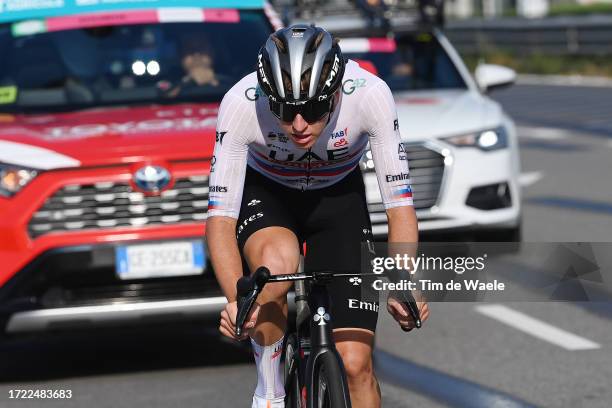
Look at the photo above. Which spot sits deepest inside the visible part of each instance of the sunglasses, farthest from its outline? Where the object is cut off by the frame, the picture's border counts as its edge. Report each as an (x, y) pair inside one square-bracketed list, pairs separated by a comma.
[(311, 111)]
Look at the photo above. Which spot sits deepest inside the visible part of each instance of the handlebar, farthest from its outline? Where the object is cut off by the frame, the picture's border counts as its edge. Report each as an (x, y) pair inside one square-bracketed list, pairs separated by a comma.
[(249, 287)]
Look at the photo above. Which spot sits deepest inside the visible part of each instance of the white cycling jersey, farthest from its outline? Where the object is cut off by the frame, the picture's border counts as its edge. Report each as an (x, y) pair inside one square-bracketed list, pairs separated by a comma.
[(248, 133)]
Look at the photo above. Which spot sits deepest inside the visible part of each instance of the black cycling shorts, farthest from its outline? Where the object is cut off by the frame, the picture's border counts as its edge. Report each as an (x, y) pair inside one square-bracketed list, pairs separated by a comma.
[(333, 222)]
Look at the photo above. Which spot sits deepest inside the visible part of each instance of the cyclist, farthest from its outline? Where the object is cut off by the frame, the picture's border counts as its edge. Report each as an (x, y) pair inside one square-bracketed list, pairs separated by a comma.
[(286, 171)]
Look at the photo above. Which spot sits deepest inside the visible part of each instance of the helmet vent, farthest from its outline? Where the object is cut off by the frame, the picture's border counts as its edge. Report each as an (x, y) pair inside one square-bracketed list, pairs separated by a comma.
[(279, 44), (315, 44)]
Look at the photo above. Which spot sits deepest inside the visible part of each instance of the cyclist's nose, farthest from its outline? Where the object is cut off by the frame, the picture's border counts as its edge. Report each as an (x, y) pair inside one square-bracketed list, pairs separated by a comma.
[(299, 124)]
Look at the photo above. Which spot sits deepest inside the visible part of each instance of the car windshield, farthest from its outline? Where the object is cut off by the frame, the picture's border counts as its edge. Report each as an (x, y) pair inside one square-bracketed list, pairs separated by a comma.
[(418, 63), (126, 64)]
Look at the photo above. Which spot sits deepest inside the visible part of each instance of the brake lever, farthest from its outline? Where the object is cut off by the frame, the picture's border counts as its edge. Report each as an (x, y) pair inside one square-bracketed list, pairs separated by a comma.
[(414, 312), (413, 309), (245, 303), (247, 290)]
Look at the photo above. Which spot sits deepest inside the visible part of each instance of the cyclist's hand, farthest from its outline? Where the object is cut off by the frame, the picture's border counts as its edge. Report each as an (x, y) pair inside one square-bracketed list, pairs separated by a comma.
[(227, 326), (402, 315)]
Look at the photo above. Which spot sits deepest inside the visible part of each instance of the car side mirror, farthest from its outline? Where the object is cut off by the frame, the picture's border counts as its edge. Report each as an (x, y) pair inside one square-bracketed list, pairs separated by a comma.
[(489, 77)]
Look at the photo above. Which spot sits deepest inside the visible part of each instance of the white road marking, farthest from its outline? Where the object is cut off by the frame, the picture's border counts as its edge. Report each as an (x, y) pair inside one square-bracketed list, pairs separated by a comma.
[(564, 80), (544, 133), (527, 179), (537, 328)]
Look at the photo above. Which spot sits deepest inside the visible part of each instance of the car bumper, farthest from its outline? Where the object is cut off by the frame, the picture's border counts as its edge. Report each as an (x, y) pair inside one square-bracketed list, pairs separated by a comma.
[(83, 317), (475, 191), (78, 287)]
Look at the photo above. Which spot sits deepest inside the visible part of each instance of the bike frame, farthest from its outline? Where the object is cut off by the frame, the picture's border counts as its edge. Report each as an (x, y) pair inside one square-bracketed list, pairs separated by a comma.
[(320, 335), (312, 316)]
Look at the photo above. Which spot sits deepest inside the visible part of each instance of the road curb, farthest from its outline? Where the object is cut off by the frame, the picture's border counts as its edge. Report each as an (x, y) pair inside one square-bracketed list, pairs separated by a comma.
[(445, 388)]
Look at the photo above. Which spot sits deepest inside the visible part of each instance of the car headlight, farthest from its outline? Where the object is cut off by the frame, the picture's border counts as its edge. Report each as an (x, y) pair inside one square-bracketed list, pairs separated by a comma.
[(14, 178), (488, 140)]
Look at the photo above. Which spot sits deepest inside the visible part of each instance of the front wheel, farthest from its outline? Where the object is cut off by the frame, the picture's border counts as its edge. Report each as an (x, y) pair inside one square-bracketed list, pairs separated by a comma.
[(330, 389), (293, 395)]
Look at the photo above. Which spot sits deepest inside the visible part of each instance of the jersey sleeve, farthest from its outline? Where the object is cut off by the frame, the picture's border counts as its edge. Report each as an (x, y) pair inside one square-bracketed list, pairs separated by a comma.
[(228, 165), (390, 160)]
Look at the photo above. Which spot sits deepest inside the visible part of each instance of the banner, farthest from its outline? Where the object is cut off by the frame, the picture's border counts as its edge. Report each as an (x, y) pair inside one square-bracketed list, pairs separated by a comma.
[(16, 10)]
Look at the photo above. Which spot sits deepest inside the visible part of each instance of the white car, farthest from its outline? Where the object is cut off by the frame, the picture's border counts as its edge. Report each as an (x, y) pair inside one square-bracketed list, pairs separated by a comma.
[(462, 147)]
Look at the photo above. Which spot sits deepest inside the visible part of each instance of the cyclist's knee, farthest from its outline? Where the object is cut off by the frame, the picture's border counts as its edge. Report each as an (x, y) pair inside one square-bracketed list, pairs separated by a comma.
[(277, 249), (357, 362), (280, 259)]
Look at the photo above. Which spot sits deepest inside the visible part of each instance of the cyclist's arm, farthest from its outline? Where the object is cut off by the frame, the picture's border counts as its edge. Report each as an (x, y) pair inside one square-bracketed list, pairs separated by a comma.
[(225, 191), (225, 257), (403, 225), (391, 164), (390, 161)]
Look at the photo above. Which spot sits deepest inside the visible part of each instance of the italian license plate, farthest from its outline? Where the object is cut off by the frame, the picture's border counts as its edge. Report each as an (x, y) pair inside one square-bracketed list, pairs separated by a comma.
[(161, 260)]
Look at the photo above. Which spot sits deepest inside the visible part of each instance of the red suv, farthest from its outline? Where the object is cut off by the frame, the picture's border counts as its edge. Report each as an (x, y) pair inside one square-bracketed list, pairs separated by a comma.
[(106, 137)]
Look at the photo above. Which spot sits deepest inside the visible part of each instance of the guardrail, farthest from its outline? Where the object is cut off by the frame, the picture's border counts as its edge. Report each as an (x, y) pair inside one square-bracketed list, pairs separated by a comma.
[(589, 35)]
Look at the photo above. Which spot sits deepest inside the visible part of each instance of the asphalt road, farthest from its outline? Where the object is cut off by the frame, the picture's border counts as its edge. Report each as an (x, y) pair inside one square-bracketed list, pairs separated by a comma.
[(464, 356)]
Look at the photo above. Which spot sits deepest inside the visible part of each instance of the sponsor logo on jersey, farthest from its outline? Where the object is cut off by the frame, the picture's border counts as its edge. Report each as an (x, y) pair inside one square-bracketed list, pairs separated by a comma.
[(309, 159), (275, 147), (213, 160), (217, 189), (358, 304), (397, 177), (219, 137), (341, 142), (404, 191), (304, 180), (349, 86), (253, 93), (340, 133), (278, 136), (401, 152)]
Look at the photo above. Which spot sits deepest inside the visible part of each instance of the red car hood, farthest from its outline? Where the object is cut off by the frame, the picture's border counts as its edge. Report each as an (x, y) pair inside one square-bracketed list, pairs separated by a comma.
[(109, 136)]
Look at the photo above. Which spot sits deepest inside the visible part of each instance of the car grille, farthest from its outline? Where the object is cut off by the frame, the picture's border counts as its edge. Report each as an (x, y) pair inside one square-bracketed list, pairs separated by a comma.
[(426, 172), (115, 204)]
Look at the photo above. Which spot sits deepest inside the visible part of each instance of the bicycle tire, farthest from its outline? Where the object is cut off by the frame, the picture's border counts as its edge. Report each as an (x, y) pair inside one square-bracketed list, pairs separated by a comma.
[(293, 395), (330, 388)]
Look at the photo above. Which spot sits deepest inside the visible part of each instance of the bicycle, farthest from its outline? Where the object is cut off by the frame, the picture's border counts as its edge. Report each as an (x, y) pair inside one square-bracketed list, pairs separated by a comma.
[(314, 373)]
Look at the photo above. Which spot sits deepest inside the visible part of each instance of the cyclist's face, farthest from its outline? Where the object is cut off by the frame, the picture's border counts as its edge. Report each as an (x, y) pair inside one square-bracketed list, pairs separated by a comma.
[(304, 134)]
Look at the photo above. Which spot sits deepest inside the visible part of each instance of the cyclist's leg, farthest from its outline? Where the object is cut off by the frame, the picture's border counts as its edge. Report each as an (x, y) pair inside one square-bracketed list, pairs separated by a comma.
[(278, 249), (355, 346), (266, 236), (339, 225)]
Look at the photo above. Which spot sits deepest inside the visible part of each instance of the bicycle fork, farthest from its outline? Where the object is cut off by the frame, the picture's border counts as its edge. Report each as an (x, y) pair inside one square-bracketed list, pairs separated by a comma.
[(323, 349)]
